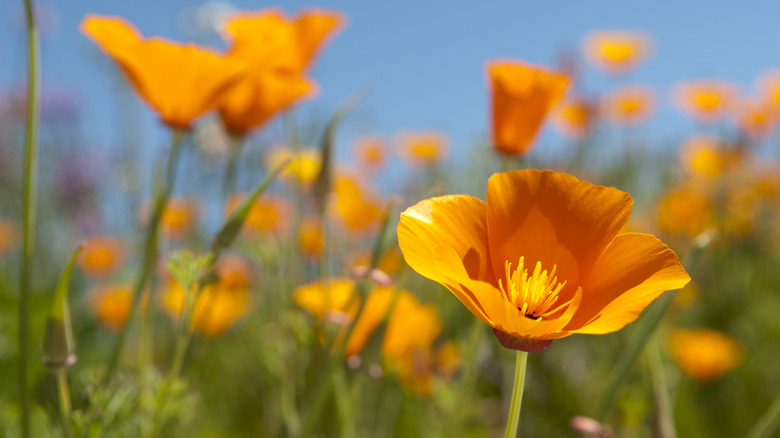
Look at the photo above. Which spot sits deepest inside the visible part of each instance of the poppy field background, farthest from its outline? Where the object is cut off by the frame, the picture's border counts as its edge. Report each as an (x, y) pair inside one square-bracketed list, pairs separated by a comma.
[(299, 316)]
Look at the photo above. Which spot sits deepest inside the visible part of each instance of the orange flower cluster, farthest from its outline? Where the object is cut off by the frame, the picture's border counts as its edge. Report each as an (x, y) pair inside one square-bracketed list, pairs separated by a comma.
[(262, 72)]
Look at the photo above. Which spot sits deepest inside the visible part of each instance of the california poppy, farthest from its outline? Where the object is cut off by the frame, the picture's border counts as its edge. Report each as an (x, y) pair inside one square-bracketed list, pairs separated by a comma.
[(542, 258), (278, 51), (422, 149), (616, 51), (705, 100), (704, 354), (522, 95), (111, 304), (101, 256), (628, 105), (574, 117), (179, 81)]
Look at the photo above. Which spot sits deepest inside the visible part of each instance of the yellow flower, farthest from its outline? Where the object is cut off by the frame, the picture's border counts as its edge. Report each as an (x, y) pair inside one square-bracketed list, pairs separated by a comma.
[(423, 149), (705, 355), (269, 214), (685, 212), (702, 156), (616, 51), (304, 167), (310, 237), (542, 258), (356, 209), (101, 256), (628, 105), (705, 100), (521, 95), (178, 217), (179, 81), (370, 152), (111, 304), (755, 118)]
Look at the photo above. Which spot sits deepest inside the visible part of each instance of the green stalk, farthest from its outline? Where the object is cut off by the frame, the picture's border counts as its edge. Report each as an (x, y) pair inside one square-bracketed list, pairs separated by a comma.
[(64, 398), (768, 423), (517, 395), (665, 413), (173, 373), (229, 181), (161, 196), (29, 211)]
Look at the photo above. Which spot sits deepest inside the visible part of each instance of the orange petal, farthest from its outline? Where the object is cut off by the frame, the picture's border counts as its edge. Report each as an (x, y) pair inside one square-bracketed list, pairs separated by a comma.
[(633, 271), (522, 95), (552, 218), (456, 221), (109, 33)]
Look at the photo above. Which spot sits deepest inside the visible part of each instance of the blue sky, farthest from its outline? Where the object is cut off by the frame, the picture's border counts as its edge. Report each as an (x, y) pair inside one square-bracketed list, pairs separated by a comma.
[(423, 61)]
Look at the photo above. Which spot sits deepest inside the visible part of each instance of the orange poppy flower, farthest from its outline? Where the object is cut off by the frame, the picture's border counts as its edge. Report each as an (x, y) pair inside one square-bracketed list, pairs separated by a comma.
[(111, 304), (370, 152), (705, 355), (522, 95), (574, 117), (755, 118), (178, 217), (101, 256), (685, 212), (769, 86), (354, 207), (278, 50), (705, 100), (542, 258), (310, 237), (616, 52), (702, 156), (423, 149), (304, 167), (269, 214), (179, 81), (628, 105)]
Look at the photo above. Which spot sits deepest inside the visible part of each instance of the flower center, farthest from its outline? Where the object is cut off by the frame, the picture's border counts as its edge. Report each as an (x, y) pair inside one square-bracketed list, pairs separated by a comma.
[(534, 295)]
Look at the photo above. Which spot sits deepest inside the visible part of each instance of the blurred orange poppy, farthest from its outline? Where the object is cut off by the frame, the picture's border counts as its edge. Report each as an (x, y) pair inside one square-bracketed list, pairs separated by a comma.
[(111, 304), (179, 81), (370, 152), (685, 212), (310, 237), (702, 155), (574, 117), (269, 214), (355, 208), (704, 354), (422, 149), (278, 50), (522, 95), (178, 217), (616, 52), (542, 259), (101, 256), (628, 105), (302, 170), (705, 100), (755, 118)]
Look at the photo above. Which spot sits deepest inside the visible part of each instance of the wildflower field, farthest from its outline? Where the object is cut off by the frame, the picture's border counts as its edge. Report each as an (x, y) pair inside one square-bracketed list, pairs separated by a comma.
[(262, 269)]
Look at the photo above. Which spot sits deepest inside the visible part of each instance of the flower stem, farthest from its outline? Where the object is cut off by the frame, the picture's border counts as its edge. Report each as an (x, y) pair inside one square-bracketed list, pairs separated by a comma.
[(517, 395), (665, 414), (161, 195), (29, 212), (229, 180), (768, 423), (64, 397), (173, 373)]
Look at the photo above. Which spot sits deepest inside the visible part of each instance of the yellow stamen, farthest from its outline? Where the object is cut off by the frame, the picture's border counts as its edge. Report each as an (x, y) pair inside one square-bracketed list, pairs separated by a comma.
[(534, 295)]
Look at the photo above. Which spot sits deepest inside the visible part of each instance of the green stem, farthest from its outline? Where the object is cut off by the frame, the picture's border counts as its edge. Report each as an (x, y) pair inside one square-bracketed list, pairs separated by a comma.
[(229, 181), (517, 395), (161, 195), (768, 423), (665, 415), (173, 373), (29, 212), (343, 397), (64, 396)]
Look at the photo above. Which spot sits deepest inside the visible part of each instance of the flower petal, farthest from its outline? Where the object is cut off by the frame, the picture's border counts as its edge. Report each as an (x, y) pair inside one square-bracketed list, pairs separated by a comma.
[(633, 271), (456, 221), (552, 218)]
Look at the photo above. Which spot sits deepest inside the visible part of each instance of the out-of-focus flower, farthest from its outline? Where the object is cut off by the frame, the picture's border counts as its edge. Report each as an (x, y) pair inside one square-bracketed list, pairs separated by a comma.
[(574, 117), (705, 100), (628, 105), (269, 214), (755, 119), (304, 167), (219, 305), (448, 359), (111, 304), (407, 345), (614, 51), (179, 81), (705, 355), (355, 208), (685, 212), (335, 300), (542, 259), (391, 262), (769, 86), (370, 152), (310, 237), (374, 312), (178, 217), (521, 97), (9, 235), (702, 155), (278, 50), (101, 256), (423, 149)]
